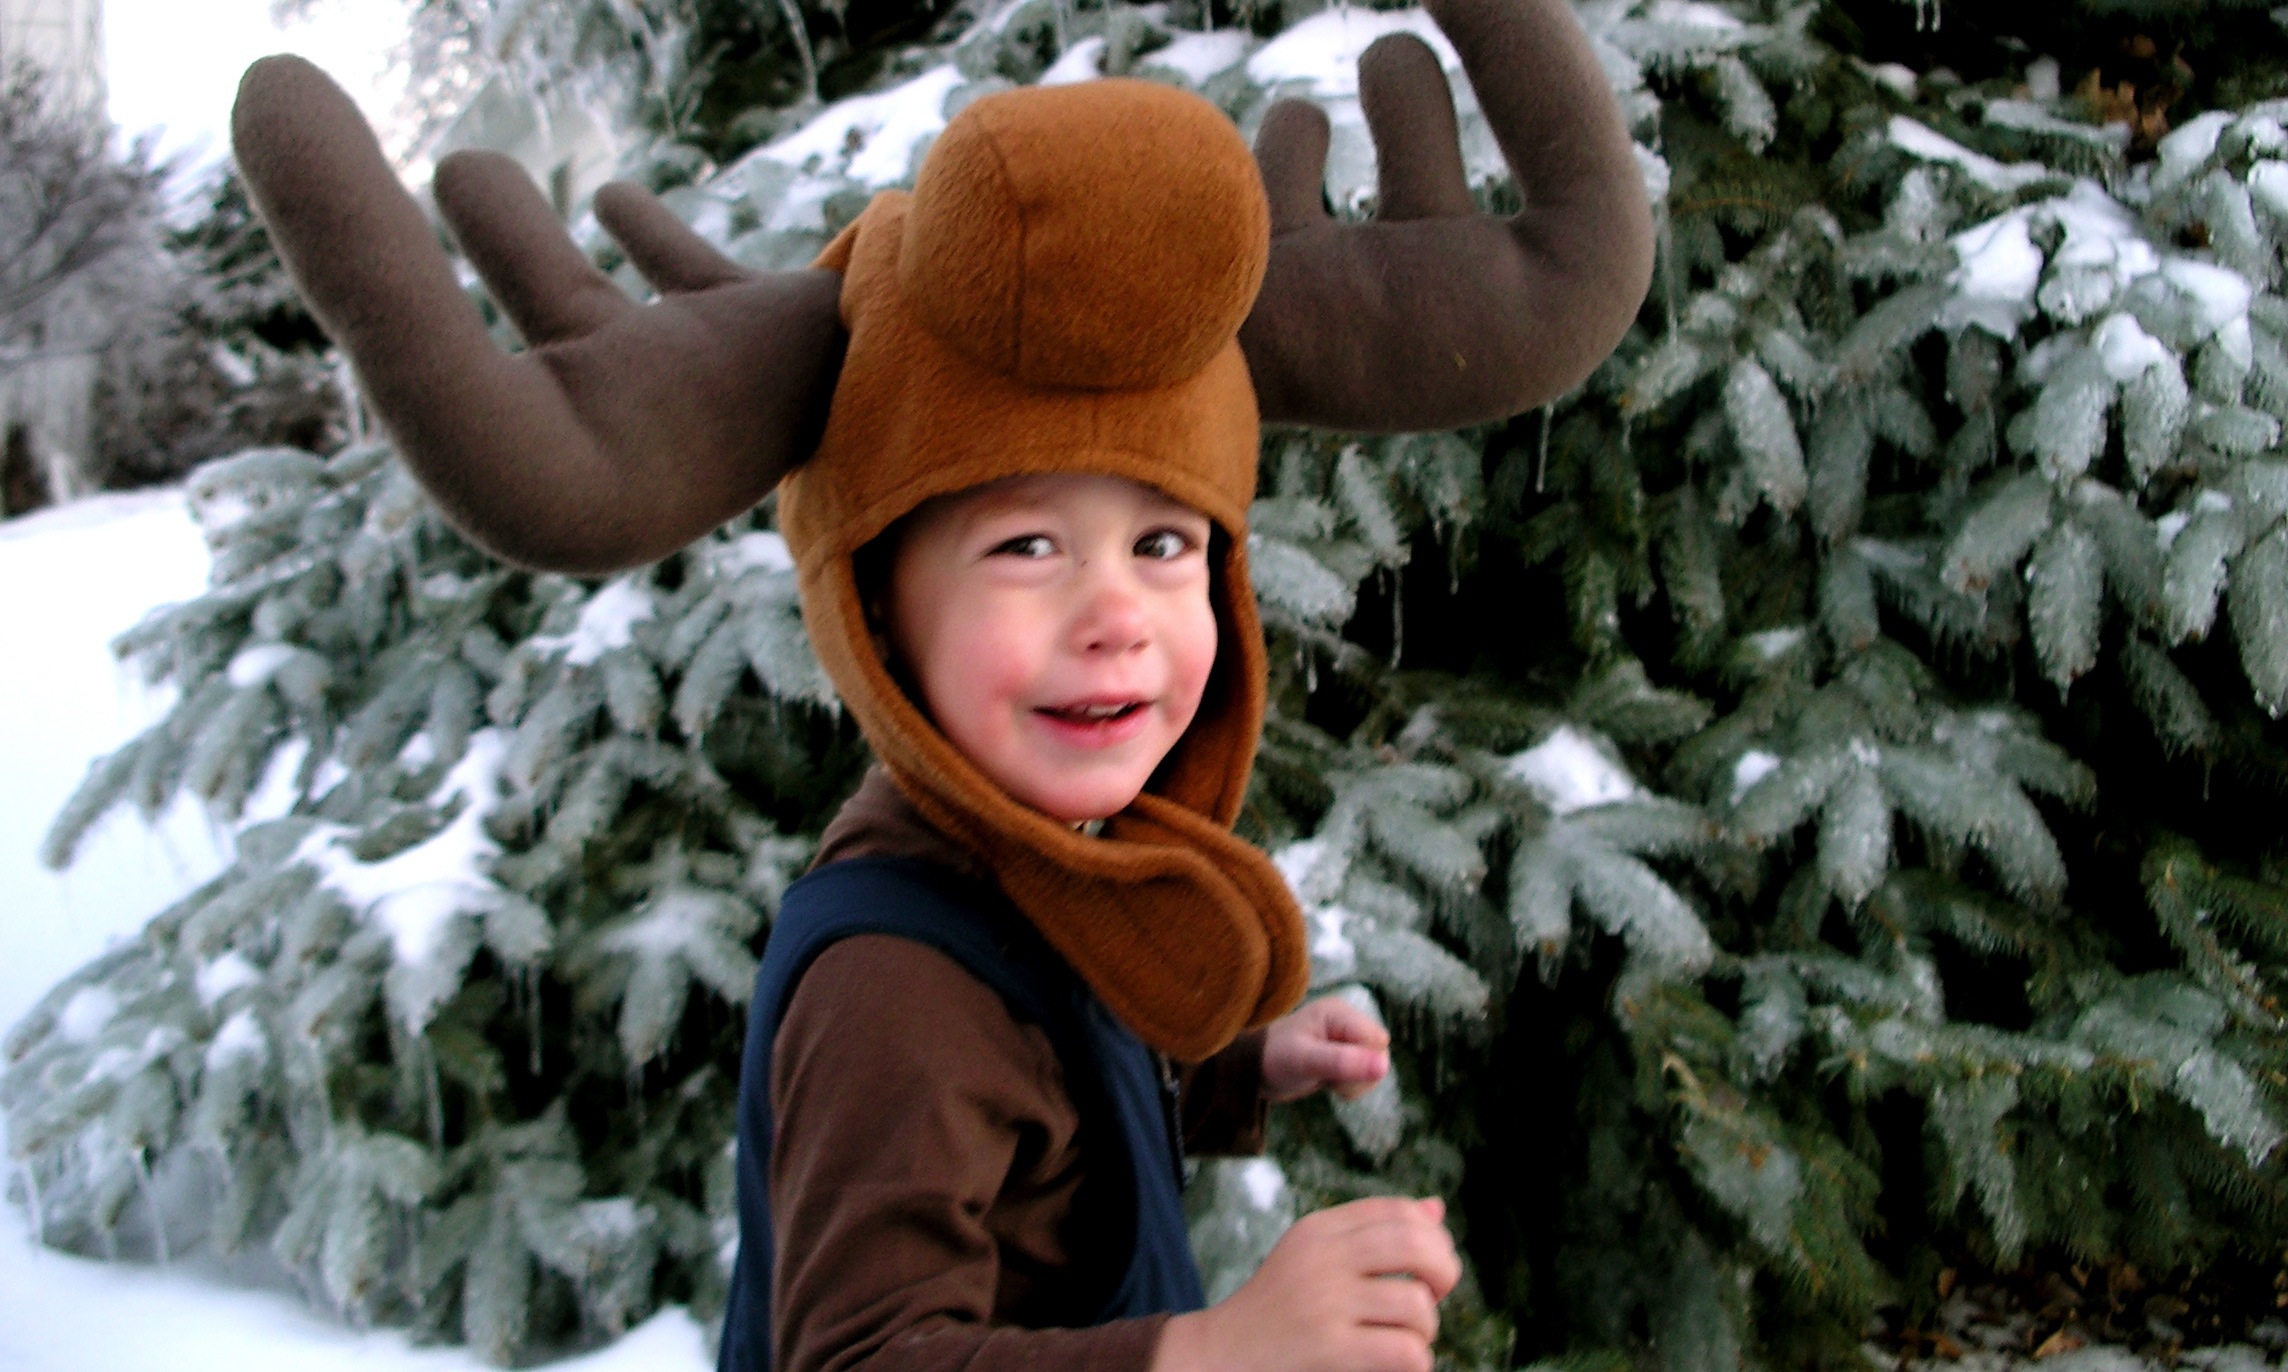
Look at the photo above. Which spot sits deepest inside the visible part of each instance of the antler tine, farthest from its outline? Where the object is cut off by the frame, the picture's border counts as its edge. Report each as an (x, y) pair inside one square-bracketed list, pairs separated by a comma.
[(1291, 150), (1431, 315), (547, 287), (671, 257), (1418, 144), (623, 432)]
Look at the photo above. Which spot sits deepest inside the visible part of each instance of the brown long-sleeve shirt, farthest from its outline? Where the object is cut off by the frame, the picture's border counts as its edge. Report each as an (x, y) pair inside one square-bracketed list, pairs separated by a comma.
[(927, 1171)]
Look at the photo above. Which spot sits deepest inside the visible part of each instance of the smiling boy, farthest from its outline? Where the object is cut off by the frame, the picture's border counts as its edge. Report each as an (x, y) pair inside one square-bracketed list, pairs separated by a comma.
[(1021, 552), (1020, 537), (945, 1180)]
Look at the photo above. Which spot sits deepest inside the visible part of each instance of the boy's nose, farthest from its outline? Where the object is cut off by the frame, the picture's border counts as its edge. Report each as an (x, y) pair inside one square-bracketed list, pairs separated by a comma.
[(1112, 618)]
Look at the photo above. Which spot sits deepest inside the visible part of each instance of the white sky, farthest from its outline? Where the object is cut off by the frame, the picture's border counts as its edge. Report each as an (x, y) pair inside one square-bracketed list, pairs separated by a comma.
[(173, 65)]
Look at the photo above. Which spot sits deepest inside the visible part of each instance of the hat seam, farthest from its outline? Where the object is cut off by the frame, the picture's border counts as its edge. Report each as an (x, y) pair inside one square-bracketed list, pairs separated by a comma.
[(991, 140)]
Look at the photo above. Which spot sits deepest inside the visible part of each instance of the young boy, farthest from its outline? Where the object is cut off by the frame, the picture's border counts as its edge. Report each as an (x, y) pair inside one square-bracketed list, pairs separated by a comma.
[(1021, 546), (929, 1170)]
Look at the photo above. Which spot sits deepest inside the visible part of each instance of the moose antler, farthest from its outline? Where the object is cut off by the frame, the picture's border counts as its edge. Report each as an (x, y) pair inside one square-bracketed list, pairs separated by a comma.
[(1433, 315), (623, 431)]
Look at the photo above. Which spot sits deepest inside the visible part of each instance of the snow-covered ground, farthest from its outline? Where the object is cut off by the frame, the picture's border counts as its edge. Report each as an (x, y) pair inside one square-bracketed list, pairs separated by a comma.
[(75, 577)]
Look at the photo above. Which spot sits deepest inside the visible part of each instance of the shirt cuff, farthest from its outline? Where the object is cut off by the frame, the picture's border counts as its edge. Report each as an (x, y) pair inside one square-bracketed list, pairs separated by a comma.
[(1224, 1111)]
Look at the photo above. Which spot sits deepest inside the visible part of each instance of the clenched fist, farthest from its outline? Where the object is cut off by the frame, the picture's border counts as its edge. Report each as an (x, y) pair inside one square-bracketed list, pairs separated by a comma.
[(1350, 1289)]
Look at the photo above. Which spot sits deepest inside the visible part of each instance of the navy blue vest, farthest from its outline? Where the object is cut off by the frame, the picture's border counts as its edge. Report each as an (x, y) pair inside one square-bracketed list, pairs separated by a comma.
[(1125, 1099)]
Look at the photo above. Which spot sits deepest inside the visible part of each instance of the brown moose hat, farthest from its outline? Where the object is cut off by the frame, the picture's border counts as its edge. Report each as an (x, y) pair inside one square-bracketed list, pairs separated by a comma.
[(1033, 306)]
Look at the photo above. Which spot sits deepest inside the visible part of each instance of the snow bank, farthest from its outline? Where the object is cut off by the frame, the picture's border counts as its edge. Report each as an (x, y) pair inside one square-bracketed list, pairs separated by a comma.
[(80, 575), (58, 1311), (97, 566)]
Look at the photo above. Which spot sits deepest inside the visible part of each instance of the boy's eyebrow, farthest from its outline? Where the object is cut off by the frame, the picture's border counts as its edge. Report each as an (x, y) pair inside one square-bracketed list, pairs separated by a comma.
[(1016, 500), (995, 505), (1164, 503)]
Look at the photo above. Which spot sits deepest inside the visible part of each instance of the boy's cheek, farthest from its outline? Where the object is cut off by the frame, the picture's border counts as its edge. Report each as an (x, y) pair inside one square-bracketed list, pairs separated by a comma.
[(1193, 653)]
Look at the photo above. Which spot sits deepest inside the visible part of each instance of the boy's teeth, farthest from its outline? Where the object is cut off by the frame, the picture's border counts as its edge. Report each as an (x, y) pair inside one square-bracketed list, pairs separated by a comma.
[(1095, 712)]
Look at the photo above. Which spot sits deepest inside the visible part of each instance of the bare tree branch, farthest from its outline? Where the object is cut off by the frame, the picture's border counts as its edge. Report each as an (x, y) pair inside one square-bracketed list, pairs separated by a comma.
[(79, 232)]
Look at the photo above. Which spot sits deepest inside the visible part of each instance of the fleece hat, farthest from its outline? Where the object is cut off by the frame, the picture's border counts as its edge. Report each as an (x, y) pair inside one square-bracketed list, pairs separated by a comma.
[(1062, 292)]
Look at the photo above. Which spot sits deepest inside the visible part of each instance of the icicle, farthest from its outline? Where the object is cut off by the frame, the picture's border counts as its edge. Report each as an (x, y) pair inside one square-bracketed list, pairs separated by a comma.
[(1397, 617), (1668, 268), (1310, 672), (218, 1192), (1541, 465), (529, 979), (353, 403), (32, 1200), (795, 26), (432, 1092), (151, 1198), (318, 1088), (1063, 39)]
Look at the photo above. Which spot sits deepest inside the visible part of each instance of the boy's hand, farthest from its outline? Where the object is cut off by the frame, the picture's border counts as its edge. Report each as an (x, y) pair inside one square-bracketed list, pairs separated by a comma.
[(1328, 1043), (1351, 1289)]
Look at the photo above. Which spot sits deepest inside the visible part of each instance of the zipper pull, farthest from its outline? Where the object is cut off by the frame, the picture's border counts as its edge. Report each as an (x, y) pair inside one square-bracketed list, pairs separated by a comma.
[(1171, 1113)]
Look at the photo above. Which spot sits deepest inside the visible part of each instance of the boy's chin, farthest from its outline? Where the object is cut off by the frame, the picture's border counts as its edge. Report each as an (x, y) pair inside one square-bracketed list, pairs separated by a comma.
[(1081, 804)]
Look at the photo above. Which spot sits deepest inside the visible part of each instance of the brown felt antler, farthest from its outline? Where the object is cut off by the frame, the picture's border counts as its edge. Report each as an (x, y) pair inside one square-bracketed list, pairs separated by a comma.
[(624, 430), (1433, 315)]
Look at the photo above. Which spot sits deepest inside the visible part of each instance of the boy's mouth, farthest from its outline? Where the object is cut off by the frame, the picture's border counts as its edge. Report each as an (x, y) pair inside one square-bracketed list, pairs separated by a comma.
[(1099, 723), (1093, 712)]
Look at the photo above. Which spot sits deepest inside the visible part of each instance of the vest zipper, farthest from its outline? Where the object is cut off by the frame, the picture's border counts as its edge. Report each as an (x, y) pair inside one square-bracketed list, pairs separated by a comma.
[(1171, 1113)]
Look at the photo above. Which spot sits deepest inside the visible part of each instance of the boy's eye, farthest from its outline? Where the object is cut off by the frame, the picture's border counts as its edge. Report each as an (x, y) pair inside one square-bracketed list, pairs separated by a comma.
[(1025, 545), (1163, 544)]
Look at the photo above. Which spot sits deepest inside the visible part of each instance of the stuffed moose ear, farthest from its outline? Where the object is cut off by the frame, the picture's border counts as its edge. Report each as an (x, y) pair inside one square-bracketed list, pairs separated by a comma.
[(624, 431)]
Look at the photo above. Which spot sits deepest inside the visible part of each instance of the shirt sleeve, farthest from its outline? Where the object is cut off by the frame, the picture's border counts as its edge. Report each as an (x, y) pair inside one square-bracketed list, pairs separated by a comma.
[(905, 1097), (1224, 1112)]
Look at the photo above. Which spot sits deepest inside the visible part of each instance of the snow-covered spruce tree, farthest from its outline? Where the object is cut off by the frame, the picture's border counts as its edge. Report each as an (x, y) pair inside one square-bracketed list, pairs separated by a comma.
[(1802, 802)]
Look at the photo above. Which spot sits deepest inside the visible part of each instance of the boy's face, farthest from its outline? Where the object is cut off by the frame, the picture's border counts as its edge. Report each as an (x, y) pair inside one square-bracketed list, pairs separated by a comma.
[(1059, 632)]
